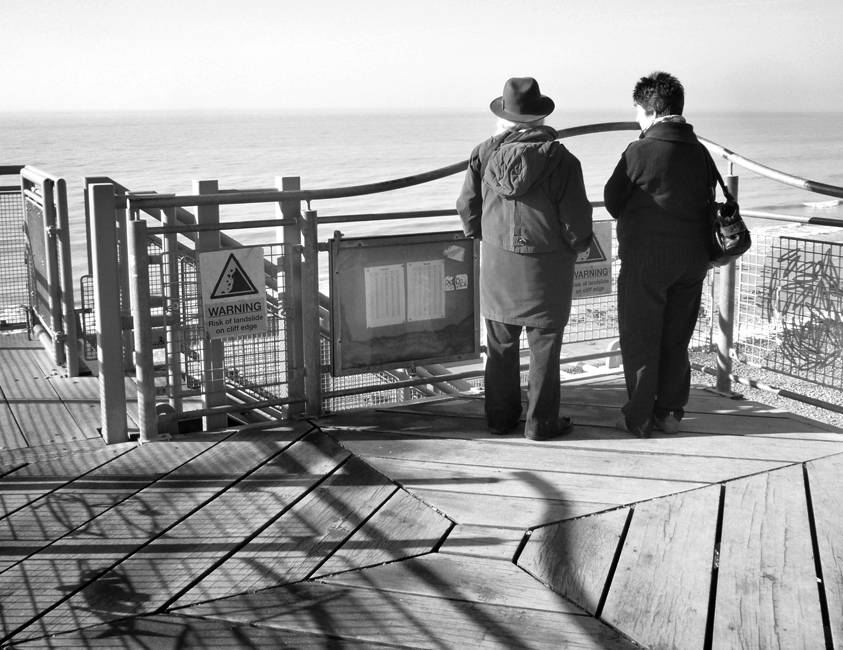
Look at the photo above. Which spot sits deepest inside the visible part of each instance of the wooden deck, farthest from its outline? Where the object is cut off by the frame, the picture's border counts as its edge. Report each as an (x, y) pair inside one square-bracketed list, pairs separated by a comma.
[(413, 527)]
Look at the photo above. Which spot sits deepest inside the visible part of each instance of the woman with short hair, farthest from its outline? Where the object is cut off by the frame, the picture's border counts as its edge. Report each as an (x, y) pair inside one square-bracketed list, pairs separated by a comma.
[(660, 193)]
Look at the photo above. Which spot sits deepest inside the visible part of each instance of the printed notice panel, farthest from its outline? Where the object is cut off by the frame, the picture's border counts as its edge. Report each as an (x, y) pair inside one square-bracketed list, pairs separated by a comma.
[(233, 292), (402, 300), (385, 295), (593, 270), (426, 289)]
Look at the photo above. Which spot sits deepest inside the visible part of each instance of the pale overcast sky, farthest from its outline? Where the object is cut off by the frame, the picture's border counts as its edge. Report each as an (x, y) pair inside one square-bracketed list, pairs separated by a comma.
[(425, 54)]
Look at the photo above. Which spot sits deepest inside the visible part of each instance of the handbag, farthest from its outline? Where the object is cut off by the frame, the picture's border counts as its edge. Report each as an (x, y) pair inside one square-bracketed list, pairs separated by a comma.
[(730, 237)]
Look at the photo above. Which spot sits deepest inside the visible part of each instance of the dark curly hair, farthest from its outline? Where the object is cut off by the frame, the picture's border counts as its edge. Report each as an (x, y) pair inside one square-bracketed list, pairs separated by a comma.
[(660, 93)]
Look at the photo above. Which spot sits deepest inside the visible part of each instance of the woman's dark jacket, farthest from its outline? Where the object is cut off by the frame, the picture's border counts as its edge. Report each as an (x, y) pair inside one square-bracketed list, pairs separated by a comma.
[(660, 193), (524, 196)]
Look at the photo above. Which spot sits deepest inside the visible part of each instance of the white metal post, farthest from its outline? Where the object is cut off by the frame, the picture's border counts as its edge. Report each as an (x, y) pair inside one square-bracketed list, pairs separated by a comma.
[(312, 349), (213, 352), (726, 319), (292, 236), (109, 325), (142, 326)]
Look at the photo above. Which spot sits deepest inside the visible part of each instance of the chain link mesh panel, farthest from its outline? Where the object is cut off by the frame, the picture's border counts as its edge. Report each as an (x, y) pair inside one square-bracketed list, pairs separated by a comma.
[(14, 289), (255, 365), (790, 308), (595, 318)]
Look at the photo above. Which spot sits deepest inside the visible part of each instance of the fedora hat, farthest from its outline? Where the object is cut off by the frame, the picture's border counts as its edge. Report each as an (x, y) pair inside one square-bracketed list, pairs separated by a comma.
[(522, 101)]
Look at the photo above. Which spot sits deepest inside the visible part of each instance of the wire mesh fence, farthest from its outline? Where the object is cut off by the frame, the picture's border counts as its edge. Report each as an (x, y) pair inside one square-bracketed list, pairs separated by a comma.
[(14, 288), (789, 305)]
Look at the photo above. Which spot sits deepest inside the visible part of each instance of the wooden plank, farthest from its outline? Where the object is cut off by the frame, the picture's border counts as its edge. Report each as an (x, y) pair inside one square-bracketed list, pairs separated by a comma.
[(37, 480), (295, 544), (669, 554), (600, 416), (168, 632), (122, 530), (583, 437), (22, 378), (826, 480), (18, 341), (407, 620), (483, 542), (471, 579), (703, 469), (767, 585), (534, 484), (15, 457), (76, 388), (11, 436), (402, 528), (500, 510), (46, 423), (574, 557)]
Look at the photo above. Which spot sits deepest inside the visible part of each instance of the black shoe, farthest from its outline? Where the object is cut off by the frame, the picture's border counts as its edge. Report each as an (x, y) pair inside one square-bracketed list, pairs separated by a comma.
[(504, 431), (563, 426), (638, 432)]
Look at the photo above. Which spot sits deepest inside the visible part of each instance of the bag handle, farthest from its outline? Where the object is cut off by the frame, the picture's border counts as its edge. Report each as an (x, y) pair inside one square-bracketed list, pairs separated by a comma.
[(717, 175)]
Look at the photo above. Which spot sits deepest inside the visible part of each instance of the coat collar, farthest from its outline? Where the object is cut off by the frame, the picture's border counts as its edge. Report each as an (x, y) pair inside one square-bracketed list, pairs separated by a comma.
[(671, 132)]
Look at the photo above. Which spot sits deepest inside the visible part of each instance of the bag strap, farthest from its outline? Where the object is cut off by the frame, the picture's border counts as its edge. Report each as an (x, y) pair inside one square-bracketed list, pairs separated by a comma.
[(717, 175)]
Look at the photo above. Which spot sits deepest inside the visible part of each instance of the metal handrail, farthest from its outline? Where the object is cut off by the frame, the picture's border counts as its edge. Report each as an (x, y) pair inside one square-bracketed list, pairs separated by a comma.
[(773, 174)]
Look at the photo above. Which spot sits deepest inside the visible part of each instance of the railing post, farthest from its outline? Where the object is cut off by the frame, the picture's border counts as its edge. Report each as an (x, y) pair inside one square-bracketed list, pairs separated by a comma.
[(109, 324), (213, 352), (51, 264), (172, 312), (726, 310), (122, 218), (71, 353), (310, 313), (292, 236), (142, 325)]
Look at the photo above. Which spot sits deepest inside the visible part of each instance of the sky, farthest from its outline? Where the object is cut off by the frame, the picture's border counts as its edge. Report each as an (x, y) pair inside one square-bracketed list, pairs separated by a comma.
[(72, 55)]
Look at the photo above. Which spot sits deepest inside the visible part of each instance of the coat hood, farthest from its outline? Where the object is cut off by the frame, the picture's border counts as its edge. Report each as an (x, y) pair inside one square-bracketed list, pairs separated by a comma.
[(520, 160)]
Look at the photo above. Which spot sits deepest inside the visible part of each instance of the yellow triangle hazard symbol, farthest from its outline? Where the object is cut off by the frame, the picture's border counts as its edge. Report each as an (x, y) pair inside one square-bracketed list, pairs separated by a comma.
[(233, 281), (593, 254)]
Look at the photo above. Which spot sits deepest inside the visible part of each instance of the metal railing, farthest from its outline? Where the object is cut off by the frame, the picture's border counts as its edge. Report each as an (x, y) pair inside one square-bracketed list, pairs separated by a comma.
[(309, 387), (14, 289)]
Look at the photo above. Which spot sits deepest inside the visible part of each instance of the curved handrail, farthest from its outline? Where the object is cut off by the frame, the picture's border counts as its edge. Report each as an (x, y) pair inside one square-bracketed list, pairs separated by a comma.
[(773, 174), (273, 196)]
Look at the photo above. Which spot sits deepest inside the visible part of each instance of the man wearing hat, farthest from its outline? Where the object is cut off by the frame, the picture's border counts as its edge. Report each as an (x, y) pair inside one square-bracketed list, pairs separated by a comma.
[(525, 198)]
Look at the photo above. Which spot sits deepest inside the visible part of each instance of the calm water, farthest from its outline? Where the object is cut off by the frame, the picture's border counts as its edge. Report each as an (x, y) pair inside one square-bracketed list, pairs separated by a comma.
[(166, 151)]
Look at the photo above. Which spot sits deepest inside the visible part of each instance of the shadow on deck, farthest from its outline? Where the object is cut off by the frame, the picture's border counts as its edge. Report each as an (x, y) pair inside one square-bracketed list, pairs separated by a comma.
[(413, 527)]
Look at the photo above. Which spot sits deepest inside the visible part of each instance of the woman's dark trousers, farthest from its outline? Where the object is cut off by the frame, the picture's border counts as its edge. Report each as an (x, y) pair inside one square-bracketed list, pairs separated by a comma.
[(503, 377), (658, 304)]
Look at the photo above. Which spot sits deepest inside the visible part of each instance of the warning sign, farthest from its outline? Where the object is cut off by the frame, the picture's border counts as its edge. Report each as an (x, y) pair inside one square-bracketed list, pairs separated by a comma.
[(233, 292), (593, 270)]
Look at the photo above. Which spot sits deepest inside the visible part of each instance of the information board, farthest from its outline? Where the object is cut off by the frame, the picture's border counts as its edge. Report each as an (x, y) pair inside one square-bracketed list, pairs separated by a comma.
[(403, 300)]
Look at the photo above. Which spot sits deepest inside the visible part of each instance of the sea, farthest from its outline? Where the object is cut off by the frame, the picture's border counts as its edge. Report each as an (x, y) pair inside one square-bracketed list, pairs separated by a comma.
[(166, 151)]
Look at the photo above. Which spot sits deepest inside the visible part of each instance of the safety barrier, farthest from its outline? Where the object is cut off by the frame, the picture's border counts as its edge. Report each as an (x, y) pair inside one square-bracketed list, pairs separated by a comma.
[(175, 361), (14, 288)]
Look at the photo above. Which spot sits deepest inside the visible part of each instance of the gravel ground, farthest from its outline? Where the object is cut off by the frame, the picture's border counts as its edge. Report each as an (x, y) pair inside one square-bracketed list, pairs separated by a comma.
[(776, 380)]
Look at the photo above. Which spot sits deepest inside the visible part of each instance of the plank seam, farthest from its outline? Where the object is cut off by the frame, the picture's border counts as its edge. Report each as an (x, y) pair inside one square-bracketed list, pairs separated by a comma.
[(63, 485), (708, 639), (613, 567), (82, 586), (815, 544), (357, 528), (249, 538)]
